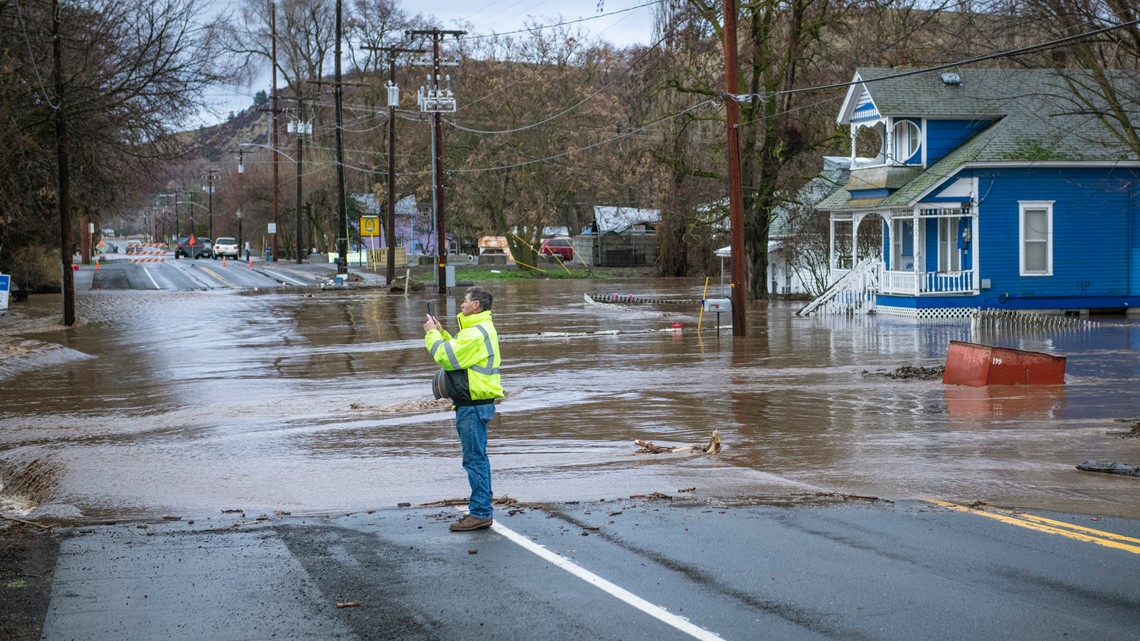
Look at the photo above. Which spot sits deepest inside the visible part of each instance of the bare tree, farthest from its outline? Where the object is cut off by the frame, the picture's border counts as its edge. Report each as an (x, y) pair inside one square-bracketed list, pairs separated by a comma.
[(132, 72), (1101, 69), (519, 142)]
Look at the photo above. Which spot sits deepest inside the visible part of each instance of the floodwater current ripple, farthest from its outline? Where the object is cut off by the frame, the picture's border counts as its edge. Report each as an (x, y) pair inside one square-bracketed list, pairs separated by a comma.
[(320, 401)]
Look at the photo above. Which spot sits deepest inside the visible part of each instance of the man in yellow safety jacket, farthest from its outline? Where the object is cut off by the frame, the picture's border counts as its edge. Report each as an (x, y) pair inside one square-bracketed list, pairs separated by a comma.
[(471, 363)]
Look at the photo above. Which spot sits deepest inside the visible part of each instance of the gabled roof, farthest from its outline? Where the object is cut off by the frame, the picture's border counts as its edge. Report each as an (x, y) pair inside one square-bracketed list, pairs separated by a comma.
[(1035, 115), (982, 93)]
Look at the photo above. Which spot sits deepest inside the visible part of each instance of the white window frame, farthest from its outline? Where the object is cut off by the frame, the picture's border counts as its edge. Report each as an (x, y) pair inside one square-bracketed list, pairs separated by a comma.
[(1025, 206), (913, 133), (949, 256)]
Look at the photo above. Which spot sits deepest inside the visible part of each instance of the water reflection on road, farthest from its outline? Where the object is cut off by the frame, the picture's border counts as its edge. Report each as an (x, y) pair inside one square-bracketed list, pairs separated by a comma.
[(320, 401)]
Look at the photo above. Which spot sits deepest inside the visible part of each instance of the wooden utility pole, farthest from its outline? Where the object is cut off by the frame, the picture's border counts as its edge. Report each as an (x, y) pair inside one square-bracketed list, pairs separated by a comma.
[(341, 200), (67, 284), (276, 127), (735, 198), (436, 100), (301, 129), (437, 171)]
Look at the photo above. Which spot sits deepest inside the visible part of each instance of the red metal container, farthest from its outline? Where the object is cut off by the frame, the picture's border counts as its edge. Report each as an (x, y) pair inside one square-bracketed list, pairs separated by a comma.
[(977, 365)]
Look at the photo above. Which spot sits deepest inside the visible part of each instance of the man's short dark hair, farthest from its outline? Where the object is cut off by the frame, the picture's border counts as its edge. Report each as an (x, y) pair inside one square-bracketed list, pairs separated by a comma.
[(482, 296)]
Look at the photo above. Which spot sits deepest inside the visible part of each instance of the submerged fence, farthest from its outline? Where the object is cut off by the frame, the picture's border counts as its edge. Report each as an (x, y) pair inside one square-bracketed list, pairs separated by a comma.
[(1001, 320)]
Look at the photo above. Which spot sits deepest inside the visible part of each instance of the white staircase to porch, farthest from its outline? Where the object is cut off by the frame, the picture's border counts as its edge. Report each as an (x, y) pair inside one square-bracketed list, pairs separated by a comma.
[(852, 293)]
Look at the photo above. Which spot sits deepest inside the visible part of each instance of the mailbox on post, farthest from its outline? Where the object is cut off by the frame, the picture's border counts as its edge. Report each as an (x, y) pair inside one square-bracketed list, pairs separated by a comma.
[(717, 304)]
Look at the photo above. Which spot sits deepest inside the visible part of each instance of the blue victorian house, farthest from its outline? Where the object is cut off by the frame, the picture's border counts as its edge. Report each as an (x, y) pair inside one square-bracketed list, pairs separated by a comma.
[(983, 189)]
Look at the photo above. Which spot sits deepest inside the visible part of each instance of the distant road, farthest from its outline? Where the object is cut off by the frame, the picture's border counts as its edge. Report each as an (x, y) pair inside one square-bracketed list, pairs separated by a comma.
[(166, 273)]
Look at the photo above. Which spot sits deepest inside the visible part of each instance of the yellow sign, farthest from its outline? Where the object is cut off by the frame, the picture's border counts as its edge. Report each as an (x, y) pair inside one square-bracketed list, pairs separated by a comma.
[(369, 225)]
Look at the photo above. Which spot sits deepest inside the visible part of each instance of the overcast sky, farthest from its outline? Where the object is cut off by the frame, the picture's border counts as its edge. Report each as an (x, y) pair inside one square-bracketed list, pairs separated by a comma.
[(621, 22)]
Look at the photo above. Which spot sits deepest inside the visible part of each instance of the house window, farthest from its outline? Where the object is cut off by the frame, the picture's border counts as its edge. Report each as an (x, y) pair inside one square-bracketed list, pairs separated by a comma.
[(907, 139), (902, 245), (1036, 238), (949, 253)]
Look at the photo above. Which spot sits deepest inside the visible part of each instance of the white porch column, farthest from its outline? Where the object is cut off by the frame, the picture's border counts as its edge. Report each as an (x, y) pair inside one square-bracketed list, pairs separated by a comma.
[(889, 142), (831, 246), (919, 241), (889, 240), (975, 260)]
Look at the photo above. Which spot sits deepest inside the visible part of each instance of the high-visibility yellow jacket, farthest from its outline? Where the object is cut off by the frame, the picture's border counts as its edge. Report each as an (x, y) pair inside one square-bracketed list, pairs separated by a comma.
[(471, 359)]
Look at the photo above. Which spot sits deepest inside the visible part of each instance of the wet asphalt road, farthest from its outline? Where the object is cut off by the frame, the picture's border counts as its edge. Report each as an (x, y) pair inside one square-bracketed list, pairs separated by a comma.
[(634, 569)]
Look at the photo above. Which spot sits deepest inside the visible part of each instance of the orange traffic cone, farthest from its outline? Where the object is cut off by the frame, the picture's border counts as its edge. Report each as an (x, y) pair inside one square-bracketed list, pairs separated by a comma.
[(223, 262), (97, 263), (251, 264)]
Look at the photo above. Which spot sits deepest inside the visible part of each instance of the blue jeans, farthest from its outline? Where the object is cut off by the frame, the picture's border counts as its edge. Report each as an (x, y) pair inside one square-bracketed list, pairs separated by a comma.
[(471, 423)]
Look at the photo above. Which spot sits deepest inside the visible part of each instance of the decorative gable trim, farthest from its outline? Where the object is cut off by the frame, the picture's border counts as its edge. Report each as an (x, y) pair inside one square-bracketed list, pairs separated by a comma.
[(865, 108), (857, 96)]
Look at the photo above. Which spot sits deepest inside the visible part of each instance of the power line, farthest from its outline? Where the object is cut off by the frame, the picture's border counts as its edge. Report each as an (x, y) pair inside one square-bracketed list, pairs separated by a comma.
[(591, 146), (960, 63), (559, 24)]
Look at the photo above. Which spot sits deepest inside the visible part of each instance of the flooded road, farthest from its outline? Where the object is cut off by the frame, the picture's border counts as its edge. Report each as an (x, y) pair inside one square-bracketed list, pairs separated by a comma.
[(316, 401)]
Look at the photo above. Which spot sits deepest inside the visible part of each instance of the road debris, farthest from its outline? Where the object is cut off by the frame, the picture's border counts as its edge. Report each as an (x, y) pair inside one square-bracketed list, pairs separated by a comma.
[(1109, 467), (911, 372), (656, 496), (349, 604), (1133, 430), (649, 447)]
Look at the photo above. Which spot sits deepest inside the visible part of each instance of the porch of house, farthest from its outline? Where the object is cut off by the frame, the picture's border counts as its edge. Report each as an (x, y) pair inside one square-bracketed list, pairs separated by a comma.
[(929, 270)]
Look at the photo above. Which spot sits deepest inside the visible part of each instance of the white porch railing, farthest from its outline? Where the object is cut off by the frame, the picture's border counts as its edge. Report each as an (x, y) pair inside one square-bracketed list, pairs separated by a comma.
[(851, 291), (910, 283)]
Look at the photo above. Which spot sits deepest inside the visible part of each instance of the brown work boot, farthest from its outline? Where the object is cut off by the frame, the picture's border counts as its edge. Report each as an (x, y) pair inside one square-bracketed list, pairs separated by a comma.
[(468, 523)]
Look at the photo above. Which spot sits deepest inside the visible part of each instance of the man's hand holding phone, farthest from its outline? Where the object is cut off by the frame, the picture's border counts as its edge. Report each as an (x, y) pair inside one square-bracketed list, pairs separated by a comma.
[(431, 323)]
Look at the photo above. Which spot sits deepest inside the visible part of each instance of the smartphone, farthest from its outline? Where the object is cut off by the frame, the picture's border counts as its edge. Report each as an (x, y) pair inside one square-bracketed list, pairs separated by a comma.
[(429, 309)]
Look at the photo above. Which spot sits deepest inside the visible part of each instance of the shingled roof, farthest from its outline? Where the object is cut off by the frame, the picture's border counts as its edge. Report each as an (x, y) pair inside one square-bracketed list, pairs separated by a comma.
[(1037, 118)]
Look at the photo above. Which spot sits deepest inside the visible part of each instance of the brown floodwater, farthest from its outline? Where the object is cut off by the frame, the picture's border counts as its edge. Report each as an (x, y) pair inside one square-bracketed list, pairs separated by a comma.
[(316, 402)]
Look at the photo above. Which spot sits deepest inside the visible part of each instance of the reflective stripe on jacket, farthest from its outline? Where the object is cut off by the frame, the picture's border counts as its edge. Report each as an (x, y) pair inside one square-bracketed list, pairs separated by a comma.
[(471, 359)]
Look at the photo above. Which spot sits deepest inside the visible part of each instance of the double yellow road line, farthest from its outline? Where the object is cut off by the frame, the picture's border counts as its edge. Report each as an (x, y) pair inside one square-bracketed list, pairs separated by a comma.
[(1048, 526)]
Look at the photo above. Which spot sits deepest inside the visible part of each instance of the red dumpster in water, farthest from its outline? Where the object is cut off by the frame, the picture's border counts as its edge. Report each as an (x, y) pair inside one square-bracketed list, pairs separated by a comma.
[(977, 365)]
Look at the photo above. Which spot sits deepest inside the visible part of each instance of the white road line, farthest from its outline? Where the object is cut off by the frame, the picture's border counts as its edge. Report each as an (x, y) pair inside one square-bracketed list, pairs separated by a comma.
[(655, 611), (152, 281), (283, 276)]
